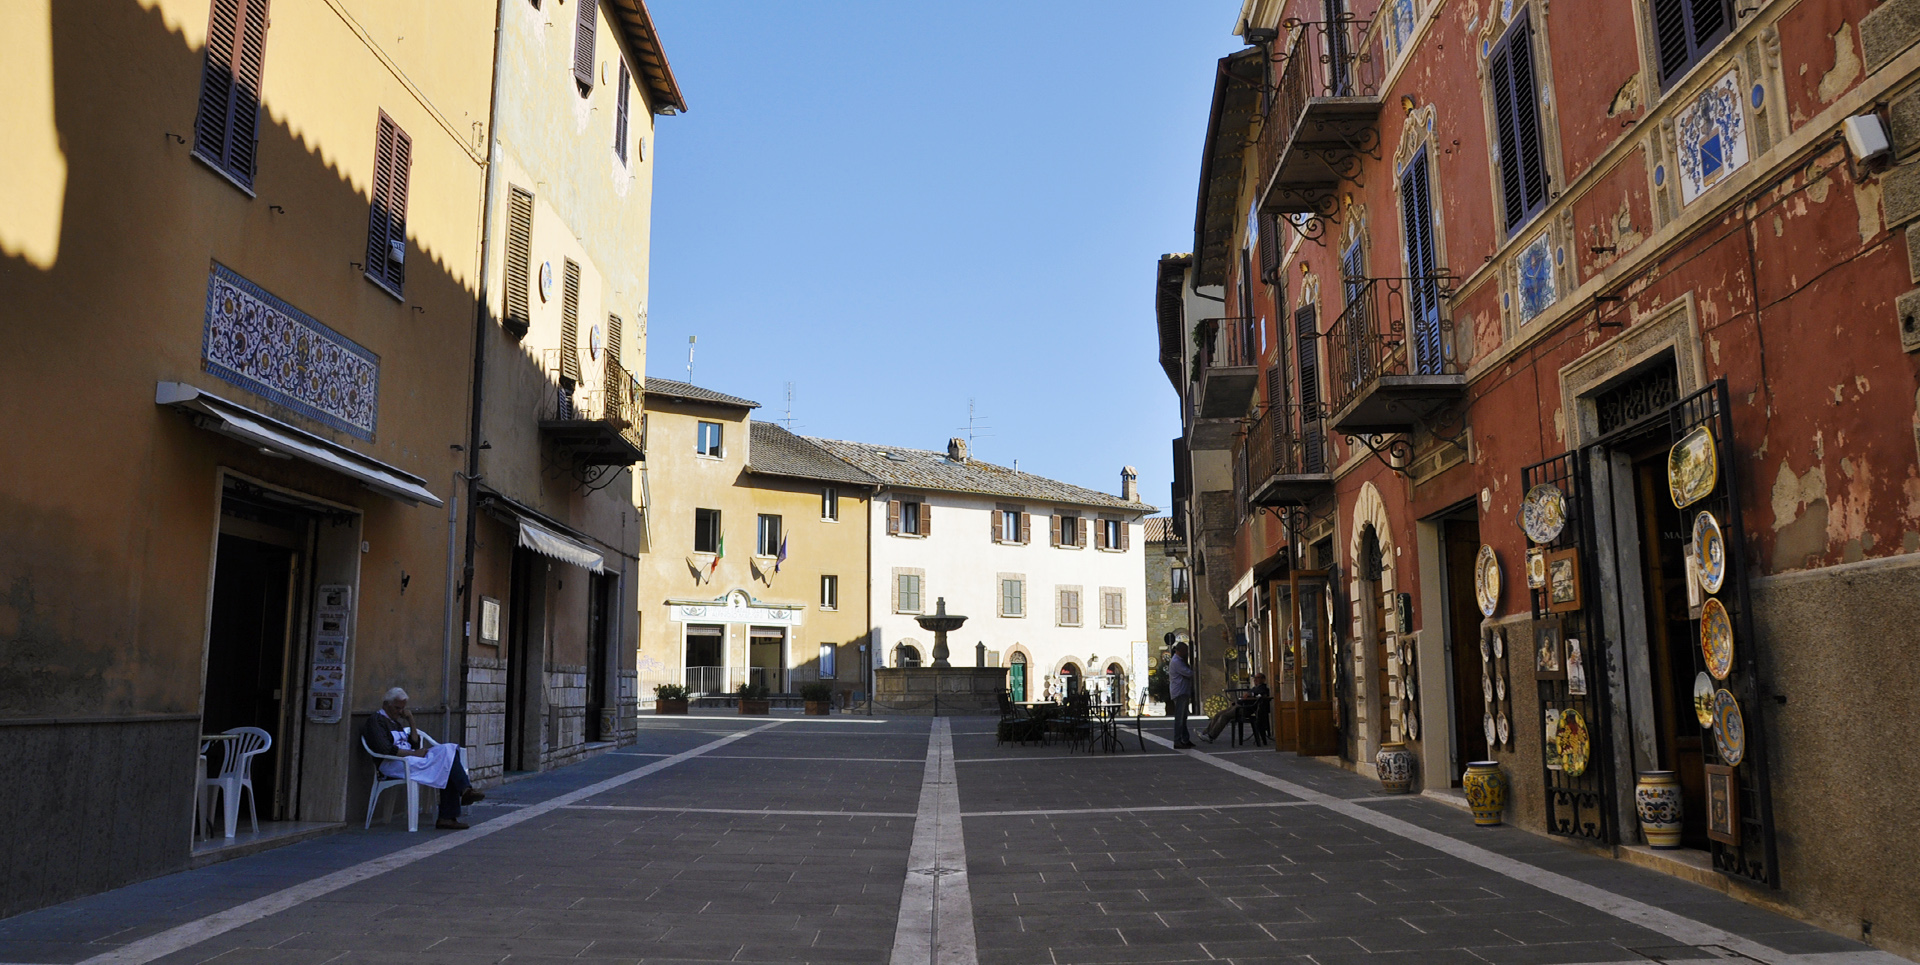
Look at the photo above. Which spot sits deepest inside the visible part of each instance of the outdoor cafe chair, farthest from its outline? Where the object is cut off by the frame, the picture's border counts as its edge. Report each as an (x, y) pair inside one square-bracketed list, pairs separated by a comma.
[(236, 775), (381, 782), (1255, 719)]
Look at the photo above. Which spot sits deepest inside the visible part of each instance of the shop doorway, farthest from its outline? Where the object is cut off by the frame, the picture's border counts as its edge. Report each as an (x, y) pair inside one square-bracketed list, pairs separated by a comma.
[(1468, 714), (705, 665), (600, 610), (253, 639), (1017, 678), (1303, 701), (767, 658), (526, 660)]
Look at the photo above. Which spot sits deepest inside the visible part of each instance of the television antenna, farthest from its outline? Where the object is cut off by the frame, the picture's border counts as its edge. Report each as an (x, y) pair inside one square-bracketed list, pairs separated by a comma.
[(691, 339), (975, 423)]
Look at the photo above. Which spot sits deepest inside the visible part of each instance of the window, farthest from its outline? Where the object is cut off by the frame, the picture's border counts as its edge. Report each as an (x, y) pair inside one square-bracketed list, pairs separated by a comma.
[(1177, 585), (1423, 295), (1684, 30), (909, 518), (1113, 607), (620, 111), (826, 661), (387, 221), (830, 503), (226, 129), (769, 542), (519, 307), (586, 27), (1068, 607), (1516, 119), (908, 593), (1069, 533), (1113, 535), (1010, 525), (829, 593), (1013, 596), (706, 531), (708, 441)]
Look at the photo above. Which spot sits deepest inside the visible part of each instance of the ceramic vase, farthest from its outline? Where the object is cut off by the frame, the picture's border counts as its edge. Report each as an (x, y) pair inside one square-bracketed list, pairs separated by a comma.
[(1657, 796), (1395, 764), (1486, 791)]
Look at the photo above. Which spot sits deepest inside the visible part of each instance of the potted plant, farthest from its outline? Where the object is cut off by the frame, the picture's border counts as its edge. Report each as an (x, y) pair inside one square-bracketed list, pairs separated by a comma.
[(819, 697), (753, 699), (669, 699)]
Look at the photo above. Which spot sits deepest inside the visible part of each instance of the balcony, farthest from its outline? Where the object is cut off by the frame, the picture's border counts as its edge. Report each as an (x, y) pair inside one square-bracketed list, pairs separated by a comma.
[(1390, 355), (1287, 457), (1228, 366), (1322, 117), (600, 425)]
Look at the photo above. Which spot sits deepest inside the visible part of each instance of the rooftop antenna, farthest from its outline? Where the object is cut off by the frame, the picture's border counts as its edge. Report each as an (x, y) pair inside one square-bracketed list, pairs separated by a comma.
[(789, 419), (691, 339), (975, 423)]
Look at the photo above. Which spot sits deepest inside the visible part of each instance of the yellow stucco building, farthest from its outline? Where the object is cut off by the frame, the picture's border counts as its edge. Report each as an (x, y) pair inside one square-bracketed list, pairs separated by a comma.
[(754, 555)]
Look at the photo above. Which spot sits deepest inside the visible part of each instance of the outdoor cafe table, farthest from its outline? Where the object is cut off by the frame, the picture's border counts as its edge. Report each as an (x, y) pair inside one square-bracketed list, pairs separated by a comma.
[(1106, 721)]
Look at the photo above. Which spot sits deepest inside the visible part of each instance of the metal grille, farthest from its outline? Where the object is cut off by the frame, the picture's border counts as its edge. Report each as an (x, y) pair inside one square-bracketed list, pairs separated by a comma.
[(1577, 807), (1649, 393)]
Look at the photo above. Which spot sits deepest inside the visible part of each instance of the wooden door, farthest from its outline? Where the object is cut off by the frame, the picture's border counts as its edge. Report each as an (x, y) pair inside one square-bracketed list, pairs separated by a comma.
[(1285, 686), (1313, 663)]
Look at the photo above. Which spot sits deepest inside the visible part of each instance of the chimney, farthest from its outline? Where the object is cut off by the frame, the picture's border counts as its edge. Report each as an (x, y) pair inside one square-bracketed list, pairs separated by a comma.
[(957, 449), (1130, 484)]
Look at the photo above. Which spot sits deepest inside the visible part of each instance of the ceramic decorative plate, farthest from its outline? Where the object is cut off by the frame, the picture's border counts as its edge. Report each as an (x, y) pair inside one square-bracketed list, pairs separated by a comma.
[(1716, 638), (1536, 568), (1703, 699), (1413, 724), (1692, 467), (1486, 580), (1486, 688), (1573, 742), (1500, 686), (1486, 650), (1500, 643), (1491, 733), (1729, 728), (1543, 513), (1710, 551), (1506, 731)]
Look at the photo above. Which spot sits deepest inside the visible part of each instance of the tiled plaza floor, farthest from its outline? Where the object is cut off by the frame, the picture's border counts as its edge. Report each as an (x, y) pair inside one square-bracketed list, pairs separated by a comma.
[(792, 841)]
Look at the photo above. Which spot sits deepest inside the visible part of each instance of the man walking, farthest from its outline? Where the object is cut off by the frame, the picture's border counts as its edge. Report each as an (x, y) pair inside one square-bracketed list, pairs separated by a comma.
[(1180, 689)]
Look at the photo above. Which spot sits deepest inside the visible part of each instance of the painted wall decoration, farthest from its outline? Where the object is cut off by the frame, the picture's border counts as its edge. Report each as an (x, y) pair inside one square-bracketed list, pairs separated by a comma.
[(266, 346), (1712, 137), (1538, 290)]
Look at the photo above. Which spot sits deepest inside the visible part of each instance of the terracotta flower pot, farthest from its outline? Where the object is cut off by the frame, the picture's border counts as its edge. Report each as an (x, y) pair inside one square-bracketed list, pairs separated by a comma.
[(1657, 798), (819, 708), (670, 705), (1486, 791), (755, 706), (1395, 764)]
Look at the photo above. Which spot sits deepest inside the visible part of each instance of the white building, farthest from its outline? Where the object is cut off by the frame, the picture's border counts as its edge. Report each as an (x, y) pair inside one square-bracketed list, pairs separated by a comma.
[(1051, 576)]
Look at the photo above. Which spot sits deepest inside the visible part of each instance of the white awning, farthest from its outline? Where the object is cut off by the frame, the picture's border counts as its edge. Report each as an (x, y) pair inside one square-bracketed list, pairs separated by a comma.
[(274, 437), (566, 549)]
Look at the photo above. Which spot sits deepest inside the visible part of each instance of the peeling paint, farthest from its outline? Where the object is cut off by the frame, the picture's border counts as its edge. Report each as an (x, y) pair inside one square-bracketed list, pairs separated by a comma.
[(1866, 197), (1627, 99), (1560, 426), (1713, 346), (1846, 65), (1792, 493), (1860, 382), (1817, 190)]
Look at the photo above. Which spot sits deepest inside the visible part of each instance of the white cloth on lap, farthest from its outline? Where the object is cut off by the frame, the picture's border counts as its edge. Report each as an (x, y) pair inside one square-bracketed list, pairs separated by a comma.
[(431, 770)]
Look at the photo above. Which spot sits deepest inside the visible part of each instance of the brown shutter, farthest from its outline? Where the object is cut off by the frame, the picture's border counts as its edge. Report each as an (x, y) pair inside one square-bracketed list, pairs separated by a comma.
[(926, 518), (1053, 530), (620, 111), (585, 31), (1099, 534), (996, 519), (1080, 533), (519, 311), (1126, 535), (387, 220), (226, 130), (893, 517), (615, 372), (216, 82), (1026, 527), (570, 322)]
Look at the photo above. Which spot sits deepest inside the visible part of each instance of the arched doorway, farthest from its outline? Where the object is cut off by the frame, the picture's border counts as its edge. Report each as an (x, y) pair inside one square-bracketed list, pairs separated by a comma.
[(1017, 677), (1116, 682), (1069, 678), (906, 655)]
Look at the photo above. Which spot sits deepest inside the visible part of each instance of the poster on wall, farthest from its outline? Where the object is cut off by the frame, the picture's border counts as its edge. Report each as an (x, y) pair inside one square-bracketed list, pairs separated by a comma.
[(327, 679)]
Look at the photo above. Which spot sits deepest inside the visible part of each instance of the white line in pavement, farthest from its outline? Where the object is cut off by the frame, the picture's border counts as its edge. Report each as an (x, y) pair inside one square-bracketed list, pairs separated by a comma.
[(1164, 807), (866, 760), (1070, 760), (197, 931), (691, 810), (936, 906), (1682, 929)]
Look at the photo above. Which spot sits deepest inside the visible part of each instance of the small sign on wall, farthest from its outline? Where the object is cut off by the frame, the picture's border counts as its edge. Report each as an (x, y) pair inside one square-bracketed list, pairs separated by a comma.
[(489, 621), (327, 681)]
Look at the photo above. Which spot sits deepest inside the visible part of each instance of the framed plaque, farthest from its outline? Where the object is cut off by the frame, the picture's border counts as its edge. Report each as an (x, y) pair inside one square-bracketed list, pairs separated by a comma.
[(1723, 805), (489, 621)]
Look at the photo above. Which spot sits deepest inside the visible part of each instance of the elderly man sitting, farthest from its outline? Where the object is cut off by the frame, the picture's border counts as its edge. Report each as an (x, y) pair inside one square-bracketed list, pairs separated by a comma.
[(390, 731)]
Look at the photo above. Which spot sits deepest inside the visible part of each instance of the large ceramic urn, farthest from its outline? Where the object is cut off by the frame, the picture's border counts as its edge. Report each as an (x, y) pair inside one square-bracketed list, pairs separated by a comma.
[(1486, 791), (1395, 764), (1657, 797)]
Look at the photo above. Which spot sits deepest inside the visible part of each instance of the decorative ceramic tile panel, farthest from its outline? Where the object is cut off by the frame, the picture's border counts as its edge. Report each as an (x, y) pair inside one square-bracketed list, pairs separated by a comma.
[(1536, 280), (1712, 137), (268, 347)]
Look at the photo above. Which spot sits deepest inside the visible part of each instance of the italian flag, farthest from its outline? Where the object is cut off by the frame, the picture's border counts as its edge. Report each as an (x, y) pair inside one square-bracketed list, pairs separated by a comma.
[(719, 554)]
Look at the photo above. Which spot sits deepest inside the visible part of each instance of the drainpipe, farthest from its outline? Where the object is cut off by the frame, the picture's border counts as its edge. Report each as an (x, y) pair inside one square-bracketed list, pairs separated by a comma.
[(446, 629), (482, 324)]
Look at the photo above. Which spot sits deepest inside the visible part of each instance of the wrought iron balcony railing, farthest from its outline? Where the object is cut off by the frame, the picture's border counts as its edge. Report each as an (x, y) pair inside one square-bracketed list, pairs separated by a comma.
[(1287, 456), (600, 421), (1391, 354), (1227, 366), (1321, 117)]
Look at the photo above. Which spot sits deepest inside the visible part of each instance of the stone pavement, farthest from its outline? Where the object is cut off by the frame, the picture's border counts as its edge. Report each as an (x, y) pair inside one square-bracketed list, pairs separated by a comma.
[(855, 840)]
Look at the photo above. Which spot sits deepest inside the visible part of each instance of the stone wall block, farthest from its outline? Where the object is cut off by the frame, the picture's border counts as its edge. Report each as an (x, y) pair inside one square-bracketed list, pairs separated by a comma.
[(1901, 194), (1906, 311), (1888, 31)]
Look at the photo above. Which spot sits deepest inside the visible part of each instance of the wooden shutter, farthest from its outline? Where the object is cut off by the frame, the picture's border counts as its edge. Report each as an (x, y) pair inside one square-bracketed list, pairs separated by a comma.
[(387, 218), (1024, 524), (1684, 30), (1053, 535), (585, 31), (226, 127), (1269, 248), (1516, 109), (1416, 207), (570, 321), (998, 520), (1080, 532), (620, 110), (893, 517), (926, 518), (1099, 534), (1126, 535), (519, 310), (615, 373), (1306, 327)]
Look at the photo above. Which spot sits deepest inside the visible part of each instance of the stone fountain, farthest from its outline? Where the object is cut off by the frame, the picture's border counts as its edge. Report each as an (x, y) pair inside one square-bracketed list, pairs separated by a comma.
[(942, 689)]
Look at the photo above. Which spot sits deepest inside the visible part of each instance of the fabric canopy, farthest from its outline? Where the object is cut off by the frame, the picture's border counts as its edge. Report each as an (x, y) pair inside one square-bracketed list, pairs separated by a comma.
[(548, 542)]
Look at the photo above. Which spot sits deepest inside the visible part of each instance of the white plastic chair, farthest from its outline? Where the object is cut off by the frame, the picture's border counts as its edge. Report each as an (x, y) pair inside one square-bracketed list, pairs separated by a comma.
[(381, 782), (236, 775), (200, 794)]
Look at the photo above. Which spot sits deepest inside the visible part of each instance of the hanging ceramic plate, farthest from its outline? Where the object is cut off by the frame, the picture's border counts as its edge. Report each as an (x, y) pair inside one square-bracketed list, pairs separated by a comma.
[(1543, 514), (1716, 638), (1692, 467), (1536, 567), (1573, 742), (1506, 731), (1413, 723), (1491, 733), (1710, 551), (1500, 686), (1500, 643), (1486, 688), (1486, 580), (1486, 650), (1729, 728), (1703, 699)]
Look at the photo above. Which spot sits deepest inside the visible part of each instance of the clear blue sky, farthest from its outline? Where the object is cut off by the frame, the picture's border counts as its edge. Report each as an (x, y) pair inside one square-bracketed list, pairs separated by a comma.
[(898, 206)]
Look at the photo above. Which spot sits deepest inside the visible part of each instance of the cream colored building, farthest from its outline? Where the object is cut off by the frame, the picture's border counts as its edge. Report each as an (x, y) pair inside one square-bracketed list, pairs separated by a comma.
[(753, 565)]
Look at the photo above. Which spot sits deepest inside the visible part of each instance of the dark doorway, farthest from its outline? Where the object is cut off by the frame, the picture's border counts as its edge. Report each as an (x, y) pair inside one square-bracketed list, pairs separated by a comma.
[(1461, 538), (526, 660), (1670, 632), (601, 587), (248, 637)]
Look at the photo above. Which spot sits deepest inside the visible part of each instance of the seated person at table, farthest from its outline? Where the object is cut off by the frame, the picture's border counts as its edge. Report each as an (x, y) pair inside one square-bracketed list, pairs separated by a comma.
[(390, 731), (1242, 708)]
